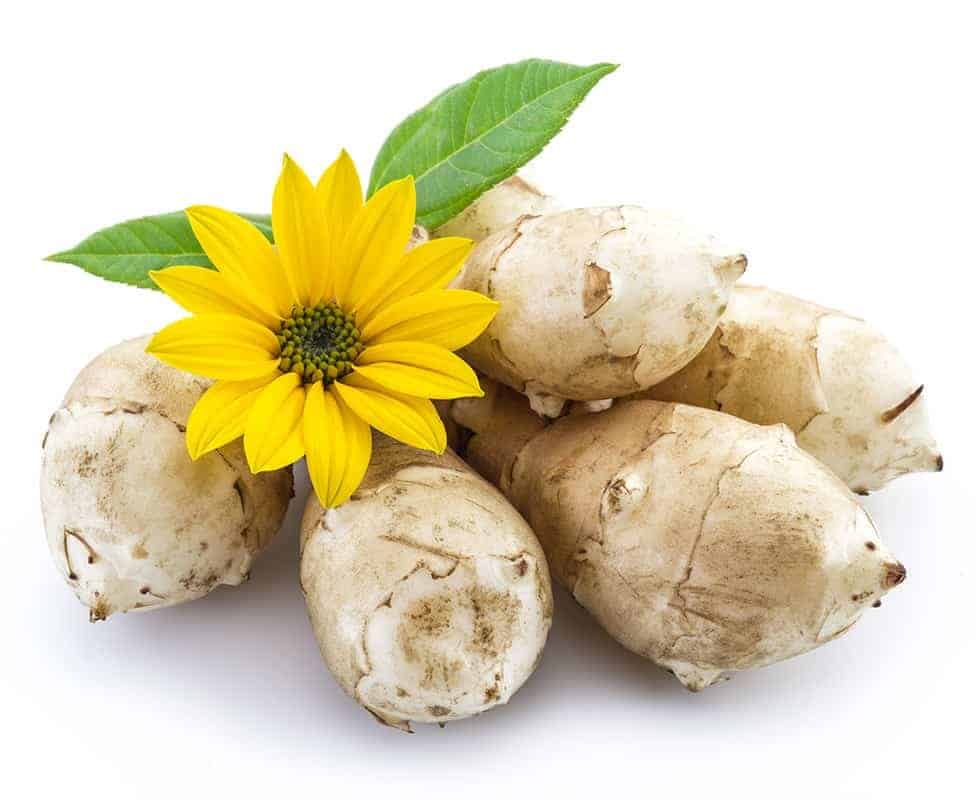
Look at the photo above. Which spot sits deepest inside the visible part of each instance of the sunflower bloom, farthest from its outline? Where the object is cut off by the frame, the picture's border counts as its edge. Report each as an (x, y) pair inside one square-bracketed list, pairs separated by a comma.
[(330, 331)]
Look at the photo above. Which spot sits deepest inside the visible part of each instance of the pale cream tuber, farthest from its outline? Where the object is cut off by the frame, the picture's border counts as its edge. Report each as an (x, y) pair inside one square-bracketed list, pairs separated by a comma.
[(498, 208), (836, 382), (428, 593), (700, 541), (132, 522), (596, 303)]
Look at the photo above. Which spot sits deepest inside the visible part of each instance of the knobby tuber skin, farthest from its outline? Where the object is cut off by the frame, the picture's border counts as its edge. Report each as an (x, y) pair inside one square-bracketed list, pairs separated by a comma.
[(132, 522), (835, 381), (596, 303), (428, 593), (700, 541), (498, 208)]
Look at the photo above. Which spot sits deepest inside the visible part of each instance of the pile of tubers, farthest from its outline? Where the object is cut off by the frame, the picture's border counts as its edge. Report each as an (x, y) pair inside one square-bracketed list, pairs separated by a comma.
[(681, 452)]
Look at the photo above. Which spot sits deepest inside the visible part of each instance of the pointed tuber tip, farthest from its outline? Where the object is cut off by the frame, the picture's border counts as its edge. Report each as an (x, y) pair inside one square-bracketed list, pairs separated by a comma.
[(895, 573), (732, 267)]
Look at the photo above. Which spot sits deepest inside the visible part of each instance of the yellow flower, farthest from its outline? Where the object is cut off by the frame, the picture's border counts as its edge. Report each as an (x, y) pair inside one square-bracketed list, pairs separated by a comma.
[(333, 329)]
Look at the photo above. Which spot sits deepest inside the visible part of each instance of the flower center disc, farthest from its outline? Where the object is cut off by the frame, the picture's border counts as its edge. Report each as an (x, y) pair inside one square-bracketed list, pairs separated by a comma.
[(320, 343)]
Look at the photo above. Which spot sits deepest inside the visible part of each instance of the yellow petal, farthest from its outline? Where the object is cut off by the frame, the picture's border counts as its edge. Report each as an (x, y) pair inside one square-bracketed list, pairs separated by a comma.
[(204, 291), (411, 420), (432, 265), (298, 220), (273, 433), (341, 195), (220, 415), (242, 254), (219, 346), (375, 242), (338, 445), (418, 369), (450, 318)]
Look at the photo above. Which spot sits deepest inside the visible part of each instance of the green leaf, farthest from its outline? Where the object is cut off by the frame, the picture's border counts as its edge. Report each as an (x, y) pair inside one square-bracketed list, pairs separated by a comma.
[(127, 252), (480, 132)]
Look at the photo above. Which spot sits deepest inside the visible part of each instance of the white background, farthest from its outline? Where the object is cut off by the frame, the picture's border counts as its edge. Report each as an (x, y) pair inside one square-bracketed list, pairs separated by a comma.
[(834, 142)]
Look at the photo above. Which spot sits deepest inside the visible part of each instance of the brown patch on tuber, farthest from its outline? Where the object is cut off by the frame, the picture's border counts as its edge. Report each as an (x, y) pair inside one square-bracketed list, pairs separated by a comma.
[(893, 413), (895, 573), (597, 289)]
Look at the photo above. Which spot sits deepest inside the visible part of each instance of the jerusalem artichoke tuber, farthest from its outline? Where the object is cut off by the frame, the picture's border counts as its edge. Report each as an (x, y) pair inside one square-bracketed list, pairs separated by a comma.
[(498, 208), (835, 381), (131, 521), (702, 542), (429, 594), (596, 303)]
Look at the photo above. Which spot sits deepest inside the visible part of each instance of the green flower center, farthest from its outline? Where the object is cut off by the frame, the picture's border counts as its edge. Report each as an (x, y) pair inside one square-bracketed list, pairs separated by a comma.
[(320, 343)]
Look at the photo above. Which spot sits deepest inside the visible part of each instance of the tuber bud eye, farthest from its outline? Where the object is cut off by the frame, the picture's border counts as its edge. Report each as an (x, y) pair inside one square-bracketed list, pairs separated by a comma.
[(319, 343)]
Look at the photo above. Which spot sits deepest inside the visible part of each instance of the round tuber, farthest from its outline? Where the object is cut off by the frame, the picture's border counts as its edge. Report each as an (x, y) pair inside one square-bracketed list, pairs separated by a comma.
[(429, 594), (595, 303), (132, 522), (498, 208)]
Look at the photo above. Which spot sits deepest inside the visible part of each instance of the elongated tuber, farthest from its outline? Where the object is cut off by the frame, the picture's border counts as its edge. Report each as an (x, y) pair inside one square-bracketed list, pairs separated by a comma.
[(429, 594), (498, 208), (835, 381), (132, 522), (702, 542), (596, 303)]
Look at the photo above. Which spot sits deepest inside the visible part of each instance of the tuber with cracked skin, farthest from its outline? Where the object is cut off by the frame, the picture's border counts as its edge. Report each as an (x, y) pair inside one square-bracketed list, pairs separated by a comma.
[(702, 542), (836, 382), (428, 593), (132, 522), (843, 389), (596, 303), (498, 208)]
